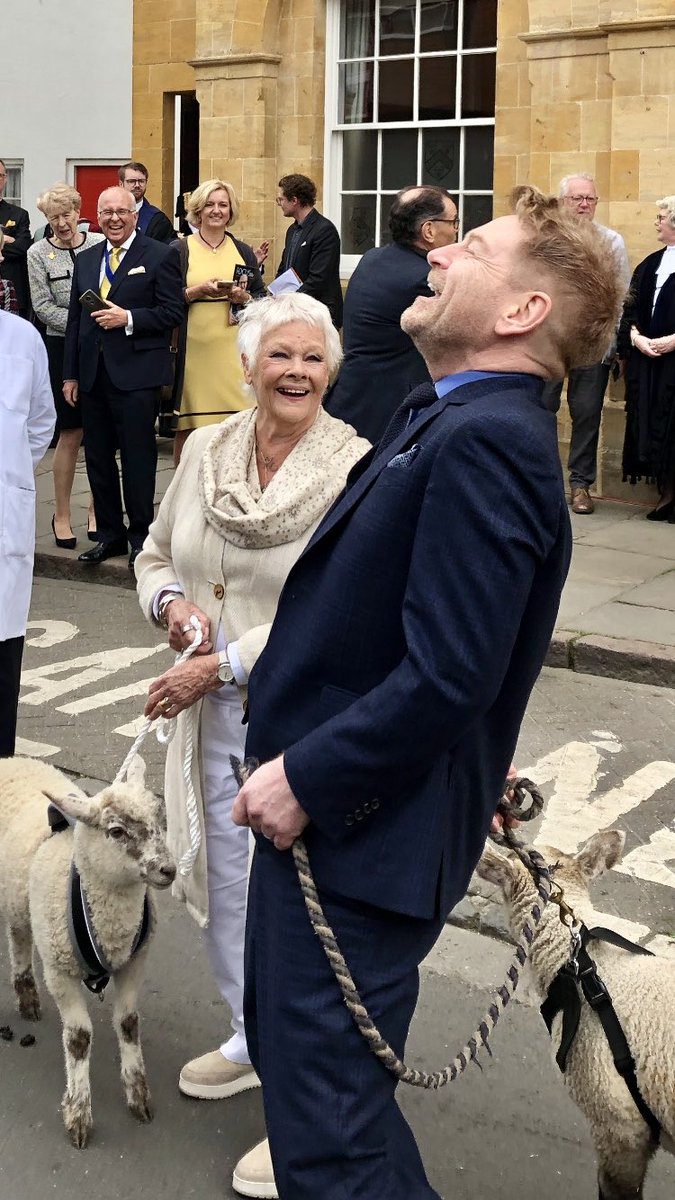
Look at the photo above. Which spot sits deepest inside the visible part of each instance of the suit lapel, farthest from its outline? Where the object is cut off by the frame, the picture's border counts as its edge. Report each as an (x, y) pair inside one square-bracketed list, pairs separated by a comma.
[(89, 268), (131, 259)]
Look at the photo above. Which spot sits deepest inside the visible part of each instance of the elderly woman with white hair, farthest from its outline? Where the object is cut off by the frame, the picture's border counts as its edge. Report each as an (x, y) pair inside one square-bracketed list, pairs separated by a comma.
[(51, 262), (220, 275), (647, 343), (243, 504)]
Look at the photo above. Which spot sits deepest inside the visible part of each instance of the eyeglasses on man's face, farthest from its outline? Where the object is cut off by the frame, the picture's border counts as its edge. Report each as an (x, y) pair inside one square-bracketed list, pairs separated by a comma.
[(122, 213), (454, 221), (134, 182), (582, 199)]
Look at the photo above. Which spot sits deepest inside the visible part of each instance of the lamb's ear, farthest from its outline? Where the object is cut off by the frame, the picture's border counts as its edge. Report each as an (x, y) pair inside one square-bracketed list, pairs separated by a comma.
[(496, 868), (601, 852), (243, 770), (136, 772), (77, 805)]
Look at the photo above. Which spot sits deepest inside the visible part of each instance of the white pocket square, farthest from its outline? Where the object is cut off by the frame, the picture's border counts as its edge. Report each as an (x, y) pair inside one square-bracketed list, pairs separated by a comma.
[(404, 459), (137, 271)]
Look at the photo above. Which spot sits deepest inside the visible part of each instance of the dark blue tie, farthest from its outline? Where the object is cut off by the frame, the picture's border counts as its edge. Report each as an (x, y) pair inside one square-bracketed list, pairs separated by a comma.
[(421, 397)]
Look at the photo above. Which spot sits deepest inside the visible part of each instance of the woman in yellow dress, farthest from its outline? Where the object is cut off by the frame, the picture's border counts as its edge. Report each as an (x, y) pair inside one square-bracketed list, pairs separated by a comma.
[(220, 276)]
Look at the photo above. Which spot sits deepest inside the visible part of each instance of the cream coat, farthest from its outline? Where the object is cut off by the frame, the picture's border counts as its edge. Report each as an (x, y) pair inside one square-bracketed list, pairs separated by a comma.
[(236, 587), (27, 418)]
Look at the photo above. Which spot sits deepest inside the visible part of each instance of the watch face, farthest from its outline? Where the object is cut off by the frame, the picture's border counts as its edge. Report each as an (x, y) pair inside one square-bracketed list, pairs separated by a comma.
[(225, 673)]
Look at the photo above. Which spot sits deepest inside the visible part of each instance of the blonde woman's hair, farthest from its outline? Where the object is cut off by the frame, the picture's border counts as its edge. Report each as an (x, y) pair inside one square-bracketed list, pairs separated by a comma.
[(668, 203), (61, 197), (578, 262), (201, 194), (260, 317)]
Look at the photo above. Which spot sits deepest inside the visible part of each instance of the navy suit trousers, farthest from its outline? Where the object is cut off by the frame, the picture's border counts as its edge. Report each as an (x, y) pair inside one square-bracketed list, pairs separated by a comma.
[(343, 1137)]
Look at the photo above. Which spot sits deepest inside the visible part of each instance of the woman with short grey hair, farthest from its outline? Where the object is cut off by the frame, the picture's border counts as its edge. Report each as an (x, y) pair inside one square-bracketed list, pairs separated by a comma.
[(244, 502), (50, 275)]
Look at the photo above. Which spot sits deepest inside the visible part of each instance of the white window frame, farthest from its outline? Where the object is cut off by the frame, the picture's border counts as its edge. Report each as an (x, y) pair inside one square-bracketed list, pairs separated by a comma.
[(11, 195), (334, 129)]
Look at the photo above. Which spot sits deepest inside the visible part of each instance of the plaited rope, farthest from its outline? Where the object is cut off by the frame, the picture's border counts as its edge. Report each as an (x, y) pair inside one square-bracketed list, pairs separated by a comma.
[(165, 728), (480, 1038)]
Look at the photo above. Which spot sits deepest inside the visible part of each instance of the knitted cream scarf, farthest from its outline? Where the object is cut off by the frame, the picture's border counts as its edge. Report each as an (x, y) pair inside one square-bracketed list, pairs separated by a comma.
[(298, 494)]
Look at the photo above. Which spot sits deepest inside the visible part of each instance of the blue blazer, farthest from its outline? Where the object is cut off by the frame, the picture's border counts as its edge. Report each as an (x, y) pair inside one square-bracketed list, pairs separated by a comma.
[(148, 283), (381, 364), (407, 639)]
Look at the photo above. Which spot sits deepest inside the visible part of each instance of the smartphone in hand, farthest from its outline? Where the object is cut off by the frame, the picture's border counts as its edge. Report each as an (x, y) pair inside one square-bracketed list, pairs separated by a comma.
[(91, 301)]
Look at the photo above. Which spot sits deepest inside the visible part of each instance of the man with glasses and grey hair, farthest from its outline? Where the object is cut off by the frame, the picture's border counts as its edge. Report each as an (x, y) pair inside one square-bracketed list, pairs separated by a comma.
[(126, 298), (381, 364), (586, 386), (15, 224)]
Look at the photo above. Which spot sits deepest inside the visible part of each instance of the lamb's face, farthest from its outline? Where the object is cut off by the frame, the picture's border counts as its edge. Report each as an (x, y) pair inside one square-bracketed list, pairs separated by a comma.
[(134, 824)]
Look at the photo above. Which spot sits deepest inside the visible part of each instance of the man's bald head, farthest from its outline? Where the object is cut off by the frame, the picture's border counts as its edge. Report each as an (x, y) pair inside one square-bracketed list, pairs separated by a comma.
[(117, 214), (423, 218)]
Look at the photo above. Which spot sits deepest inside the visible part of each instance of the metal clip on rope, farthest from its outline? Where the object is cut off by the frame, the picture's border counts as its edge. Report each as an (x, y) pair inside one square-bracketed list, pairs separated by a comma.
[(515, 809)]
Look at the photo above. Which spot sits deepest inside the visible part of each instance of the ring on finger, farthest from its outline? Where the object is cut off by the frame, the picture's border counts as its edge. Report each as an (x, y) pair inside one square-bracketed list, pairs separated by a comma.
[(164, 704)]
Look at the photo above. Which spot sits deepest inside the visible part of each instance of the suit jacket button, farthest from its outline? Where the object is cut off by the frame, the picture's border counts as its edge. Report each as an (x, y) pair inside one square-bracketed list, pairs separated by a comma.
[(366, 807), (374, 804), (358, 814), (349, 819), (218, 591)]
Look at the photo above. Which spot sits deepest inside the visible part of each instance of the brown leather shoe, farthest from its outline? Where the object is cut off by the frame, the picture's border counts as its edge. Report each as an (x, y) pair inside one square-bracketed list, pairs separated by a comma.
[(581, 501)]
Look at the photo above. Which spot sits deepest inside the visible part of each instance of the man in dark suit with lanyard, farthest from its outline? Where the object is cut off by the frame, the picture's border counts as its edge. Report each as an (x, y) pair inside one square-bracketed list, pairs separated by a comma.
[(386, 705), (17, 242), (312, 246), (116, 359), (152, 222)]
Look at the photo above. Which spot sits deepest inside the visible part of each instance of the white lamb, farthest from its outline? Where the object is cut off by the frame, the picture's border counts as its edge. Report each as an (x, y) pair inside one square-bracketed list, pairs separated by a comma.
[(118, 845), (643, 993)]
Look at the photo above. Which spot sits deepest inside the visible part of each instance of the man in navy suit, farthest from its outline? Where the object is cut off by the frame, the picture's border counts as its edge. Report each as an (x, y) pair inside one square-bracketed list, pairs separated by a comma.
[(116, 359), (312, 246), (382, 364), (152, 222), (386, 706)]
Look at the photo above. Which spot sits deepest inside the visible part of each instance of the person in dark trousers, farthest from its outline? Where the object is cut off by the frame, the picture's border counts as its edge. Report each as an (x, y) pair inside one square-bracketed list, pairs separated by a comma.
[(386, 705), (152, 222), (381, 364), (116, 359), (312, 246), (15, 224)]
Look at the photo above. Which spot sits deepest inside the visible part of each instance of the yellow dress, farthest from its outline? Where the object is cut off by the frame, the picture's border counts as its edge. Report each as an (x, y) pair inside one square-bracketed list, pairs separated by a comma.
[(212, 386)]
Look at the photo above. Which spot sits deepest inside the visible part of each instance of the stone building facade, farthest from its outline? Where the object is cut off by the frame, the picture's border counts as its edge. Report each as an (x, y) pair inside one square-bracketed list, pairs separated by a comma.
[(580, 85)]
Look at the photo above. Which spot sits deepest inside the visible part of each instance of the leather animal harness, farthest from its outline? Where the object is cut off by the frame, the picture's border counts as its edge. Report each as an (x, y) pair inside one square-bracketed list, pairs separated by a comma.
[(86, 946), (564, 996)]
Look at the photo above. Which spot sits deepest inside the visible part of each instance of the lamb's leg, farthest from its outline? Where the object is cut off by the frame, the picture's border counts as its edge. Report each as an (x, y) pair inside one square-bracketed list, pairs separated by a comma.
[(77, 1033), (621, 1173), (21, 958), (127, 1027)]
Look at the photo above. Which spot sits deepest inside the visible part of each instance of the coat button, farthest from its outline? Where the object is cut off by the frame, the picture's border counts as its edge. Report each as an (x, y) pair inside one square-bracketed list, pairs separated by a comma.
[(349, 819), (218, 591), (374, 804), (358, 814), (366, 807)]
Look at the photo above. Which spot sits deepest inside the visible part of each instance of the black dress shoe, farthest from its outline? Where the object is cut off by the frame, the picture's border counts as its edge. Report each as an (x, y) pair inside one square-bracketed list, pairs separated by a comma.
[(664, 513), (63, 543), (101, 551), (135, 551)]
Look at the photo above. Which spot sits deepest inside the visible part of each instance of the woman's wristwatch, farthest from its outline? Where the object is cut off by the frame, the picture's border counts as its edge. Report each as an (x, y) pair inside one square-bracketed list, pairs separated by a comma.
[(224, 672)]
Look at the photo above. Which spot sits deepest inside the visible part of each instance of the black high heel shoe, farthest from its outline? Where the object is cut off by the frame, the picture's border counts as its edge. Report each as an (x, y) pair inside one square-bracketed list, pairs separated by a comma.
[(63, 543), (665, 513), (92, 534)]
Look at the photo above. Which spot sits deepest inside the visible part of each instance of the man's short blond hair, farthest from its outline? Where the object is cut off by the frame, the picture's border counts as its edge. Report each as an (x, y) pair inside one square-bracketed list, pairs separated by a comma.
[(576, 263), (203, 192)]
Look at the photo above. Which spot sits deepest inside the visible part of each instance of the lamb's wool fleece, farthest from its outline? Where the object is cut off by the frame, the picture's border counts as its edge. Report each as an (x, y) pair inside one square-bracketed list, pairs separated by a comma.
[(643, 994)]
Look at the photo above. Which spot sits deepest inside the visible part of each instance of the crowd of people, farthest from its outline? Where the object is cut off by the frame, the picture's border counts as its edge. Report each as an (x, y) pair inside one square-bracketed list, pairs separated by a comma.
[(315, 548)]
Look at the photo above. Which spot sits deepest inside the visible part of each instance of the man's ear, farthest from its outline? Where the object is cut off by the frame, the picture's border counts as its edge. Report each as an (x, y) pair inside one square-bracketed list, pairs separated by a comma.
[(523, 314)]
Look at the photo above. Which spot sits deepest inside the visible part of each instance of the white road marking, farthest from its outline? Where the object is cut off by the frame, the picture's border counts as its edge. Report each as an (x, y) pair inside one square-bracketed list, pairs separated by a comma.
[(91, 668), (27, 749), (102, 699), (649, 861), (131, 729), (55, 632)]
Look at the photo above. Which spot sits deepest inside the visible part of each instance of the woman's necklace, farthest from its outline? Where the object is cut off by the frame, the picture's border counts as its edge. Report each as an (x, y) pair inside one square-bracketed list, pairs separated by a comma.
[(270, 463), (211, 248)]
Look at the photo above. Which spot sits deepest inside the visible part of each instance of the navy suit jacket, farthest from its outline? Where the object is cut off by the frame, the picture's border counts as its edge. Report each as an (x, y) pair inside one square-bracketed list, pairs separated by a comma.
[(381, 364), (148, 283), (317, 262), (16, 222), (153, 223), (407, 639)]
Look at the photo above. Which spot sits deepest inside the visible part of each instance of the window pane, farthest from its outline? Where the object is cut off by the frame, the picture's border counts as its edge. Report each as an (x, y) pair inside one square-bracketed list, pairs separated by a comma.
[(438, 28), (396, 90), (438, 78), (480, 24), (385, 208), (397, 27), (399, 158), (357, 28), (13, 185), (358, 224), (477, 211), (359, 160), (356, 93), (478, 156), (478, 85), (440, 158)]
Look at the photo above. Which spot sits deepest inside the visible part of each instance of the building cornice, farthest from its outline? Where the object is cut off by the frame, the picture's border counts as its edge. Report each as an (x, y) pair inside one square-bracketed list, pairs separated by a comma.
[(227, 60), (584, 32)]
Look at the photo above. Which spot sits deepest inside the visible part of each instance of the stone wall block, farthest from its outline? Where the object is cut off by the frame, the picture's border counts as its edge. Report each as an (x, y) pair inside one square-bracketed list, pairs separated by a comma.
[(556, 127), (640, 121), (596, 124), (182, 40)]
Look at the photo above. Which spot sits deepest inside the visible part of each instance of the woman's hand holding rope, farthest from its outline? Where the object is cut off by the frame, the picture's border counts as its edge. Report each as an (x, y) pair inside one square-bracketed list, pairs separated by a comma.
[(181, 686), (178, 613)]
